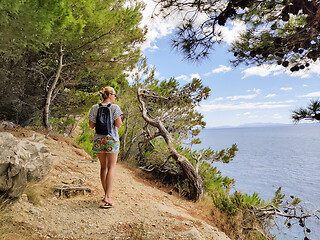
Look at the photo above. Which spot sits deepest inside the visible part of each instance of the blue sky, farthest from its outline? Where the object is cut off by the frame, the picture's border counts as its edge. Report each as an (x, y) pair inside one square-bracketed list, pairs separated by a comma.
[(246, 94)]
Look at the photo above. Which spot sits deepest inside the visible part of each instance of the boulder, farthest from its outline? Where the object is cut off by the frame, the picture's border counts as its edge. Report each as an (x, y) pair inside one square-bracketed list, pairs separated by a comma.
[(21, 161), (6, 125)]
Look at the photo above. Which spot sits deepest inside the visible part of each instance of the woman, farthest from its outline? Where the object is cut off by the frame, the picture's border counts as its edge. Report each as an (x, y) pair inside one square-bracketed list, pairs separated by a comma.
[(107, 146)]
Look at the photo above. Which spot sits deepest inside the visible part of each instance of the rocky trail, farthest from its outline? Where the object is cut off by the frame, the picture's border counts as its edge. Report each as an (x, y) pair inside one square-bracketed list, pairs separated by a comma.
[(143, 210)]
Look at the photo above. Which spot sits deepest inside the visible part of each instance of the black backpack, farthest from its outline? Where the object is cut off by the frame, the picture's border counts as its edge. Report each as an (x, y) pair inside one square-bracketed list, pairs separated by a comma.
[(103, 120)]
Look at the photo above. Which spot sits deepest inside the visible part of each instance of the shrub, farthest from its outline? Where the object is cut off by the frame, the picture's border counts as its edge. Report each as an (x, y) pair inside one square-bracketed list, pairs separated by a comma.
[(85, 138)]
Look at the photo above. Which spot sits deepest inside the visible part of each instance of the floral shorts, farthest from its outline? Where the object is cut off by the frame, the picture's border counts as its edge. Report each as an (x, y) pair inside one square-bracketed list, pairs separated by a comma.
[(106, 145)]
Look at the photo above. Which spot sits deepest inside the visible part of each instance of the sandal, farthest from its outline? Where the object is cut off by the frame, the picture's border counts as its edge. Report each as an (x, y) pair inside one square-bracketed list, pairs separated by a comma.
[(111, 204), (106, 206)]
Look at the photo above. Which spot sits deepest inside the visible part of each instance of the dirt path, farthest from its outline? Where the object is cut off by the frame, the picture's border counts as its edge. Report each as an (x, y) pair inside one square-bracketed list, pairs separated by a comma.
[(142, 211)]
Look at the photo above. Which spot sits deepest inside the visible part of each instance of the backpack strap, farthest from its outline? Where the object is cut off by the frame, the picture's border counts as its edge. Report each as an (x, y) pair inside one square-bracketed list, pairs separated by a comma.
[(108, 105)]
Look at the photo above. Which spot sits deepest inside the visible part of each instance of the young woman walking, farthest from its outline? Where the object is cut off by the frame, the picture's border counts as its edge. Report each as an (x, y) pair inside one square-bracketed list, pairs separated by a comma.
[(107, 145)]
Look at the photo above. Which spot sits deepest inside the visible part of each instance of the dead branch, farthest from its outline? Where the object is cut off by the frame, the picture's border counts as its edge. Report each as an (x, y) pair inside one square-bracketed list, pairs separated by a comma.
[(271, 210)]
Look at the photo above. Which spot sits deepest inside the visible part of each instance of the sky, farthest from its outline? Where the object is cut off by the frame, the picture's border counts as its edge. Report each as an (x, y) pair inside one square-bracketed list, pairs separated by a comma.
[(241, 95)]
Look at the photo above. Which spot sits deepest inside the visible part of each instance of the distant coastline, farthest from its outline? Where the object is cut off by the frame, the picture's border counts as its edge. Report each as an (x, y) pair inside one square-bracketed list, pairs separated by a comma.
[(253, 125)]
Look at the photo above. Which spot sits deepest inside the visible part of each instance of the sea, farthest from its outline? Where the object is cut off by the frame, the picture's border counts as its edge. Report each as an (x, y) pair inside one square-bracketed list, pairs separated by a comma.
[(286, 156)]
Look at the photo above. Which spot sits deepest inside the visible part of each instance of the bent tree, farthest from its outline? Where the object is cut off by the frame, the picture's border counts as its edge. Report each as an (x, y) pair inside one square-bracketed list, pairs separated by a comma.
[(170, 110)]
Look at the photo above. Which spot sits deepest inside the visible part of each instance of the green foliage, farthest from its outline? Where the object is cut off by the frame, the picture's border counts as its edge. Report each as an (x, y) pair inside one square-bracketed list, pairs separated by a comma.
[(157, 153), (296, 201), (175, 105), (312, 111), (225, 204), (213, 181), (85, 138), (283, 32), (99, 40), (73, 102), (236, 202), (278, 197)]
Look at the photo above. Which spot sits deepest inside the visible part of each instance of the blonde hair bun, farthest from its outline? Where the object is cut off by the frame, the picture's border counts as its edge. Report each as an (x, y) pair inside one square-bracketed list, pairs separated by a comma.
[(106, 91)]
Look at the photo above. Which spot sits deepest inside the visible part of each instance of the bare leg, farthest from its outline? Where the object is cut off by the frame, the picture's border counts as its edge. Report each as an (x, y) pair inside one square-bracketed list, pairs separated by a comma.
[(107, 172), (112, 160), (103, 169)]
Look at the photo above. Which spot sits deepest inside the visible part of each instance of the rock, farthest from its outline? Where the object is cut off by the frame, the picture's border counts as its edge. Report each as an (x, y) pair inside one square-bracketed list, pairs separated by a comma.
[(21, 161), (36, 138), (192, 234), (79, 181), (24, 197), (6, 125)]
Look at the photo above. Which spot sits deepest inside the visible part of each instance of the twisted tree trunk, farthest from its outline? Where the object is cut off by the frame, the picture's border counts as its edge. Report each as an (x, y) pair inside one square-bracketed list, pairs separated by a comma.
[(46, 111), (188, 169)]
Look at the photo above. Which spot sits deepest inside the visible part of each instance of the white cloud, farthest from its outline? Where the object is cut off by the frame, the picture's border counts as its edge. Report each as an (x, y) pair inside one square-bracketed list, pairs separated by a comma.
[(314, 68), (219, 99), (194, 75), (262, 70), (313, 94), (286, 88), (241, 106), (231, 32), (160, 28), (271, 95), (220, 69), (182, 77), (188, 78), (277, 116), (257, 91), (248, 115), (267, 69), (157, 27), (153, 48), (305, 85), (249, 96), (216, 100)]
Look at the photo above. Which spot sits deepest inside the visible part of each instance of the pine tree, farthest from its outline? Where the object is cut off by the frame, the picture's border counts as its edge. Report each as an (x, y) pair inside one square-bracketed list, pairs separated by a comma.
[(70, 40), (285, 32), (311, 112)]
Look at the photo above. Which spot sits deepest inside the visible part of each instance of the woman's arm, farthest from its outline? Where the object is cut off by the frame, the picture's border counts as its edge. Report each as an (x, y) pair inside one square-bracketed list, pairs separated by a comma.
[(92, 124), (118, 122)]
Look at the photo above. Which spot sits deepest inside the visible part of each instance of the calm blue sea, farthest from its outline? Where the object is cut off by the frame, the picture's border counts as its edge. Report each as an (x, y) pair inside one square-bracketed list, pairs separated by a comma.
[(270, 157)]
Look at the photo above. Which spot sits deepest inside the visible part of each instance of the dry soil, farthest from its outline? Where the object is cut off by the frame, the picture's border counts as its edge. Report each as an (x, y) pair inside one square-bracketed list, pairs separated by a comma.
[(143, 210)]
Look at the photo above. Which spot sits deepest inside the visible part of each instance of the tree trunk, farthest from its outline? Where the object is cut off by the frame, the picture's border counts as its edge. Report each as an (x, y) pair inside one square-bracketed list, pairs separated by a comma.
[(46, 111), (192, 176), (188, 169), (124, 140)]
